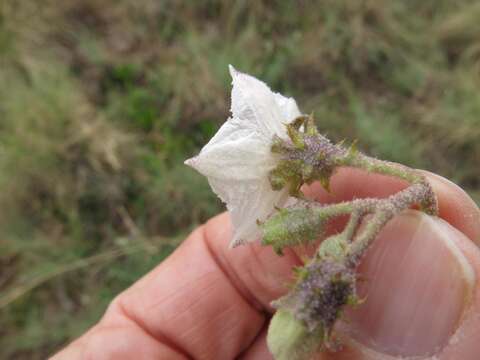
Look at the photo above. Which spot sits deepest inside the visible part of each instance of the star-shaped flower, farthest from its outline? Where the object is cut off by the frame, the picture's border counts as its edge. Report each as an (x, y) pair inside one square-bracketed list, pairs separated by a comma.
[(238, 159)]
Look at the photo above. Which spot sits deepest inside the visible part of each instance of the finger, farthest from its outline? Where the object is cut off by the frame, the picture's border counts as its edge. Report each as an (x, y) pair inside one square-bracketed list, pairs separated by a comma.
[(418, 286), (191, 302), (463, 344), (120, 341), (423, 297), (259, 349), (208, 301), (205, 301), (420, 322), (460, 210)]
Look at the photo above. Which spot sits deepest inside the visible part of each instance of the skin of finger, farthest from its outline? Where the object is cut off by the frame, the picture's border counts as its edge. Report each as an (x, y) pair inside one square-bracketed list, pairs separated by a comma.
[(190, 303), (239, 283), (119, 342), (259, 349), (191, 287)]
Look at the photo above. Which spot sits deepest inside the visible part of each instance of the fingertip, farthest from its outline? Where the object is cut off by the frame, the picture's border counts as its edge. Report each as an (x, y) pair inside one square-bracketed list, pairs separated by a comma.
[(456, 206), (418, 286)]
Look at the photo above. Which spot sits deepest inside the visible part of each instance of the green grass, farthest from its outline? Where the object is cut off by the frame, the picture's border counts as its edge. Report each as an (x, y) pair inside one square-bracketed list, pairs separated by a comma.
[(100, 102)]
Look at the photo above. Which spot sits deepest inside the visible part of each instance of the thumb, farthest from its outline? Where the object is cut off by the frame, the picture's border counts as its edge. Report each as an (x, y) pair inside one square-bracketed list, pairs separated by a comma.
[(419, 290)]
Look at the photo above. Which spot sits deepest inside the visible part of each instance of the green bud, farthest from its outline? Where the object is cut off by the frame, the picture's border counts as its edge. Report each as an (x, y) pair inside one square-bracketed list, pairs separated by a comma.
[(289, 339), (336, 246), (289, 227)]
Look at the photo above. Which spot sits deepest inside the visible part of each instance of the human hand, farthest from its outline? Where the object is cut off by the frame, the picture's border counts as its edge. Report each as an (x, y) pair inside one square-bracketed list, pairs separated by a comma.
[(207, 301)]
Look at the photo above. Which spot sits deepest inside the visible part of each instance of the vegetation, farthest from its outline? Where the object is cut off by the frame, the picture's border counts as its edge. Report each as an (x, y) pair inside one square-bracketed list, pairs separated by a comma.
[(100, 102)]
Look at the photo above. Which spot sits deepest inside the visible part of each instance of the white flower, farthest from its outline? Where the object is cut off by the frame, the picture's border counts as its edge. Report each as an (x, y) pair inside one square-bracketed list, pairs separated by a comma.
[(237, 160)]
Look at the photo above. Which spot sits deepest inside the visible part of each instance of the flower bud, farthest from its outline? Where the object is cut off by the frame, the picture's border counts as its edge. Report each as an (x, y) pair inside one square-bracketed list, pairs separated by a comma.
[(289, 339), (290, 227), (323, 288)]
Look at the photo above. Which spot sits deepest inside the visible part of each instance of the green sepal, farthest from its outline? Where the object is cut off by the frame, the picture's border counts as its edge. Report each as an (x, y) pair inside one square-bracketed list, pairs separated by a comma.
[(310, 127), (325, 182), (300, 272), (279, 146), (353, 150), (296, 136), (355, 301)]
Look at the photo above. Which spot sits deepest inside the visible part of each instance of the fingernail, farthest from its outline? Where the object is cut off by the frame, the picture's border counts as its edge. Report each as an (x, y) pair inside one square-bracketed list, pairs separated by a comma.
[(417, 286)]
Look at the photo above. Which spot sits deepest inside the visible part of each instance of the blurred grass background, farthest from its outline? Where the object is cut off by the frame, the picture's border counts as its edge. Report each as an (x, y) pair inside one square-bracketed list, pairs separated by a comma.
[(101, 101)]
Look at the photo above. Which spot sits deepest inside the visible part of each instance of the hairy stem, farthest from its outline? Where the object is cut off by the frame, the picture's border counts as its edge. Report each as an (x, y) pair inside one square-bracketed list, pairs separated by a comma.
[(373, 165), (386, 209), (361, 161)]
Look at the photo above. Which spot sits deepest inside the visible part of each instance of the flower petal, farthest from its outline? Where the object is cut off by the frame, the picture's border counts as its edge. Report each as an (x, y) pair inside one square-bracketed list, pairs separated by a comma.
[(234, 153), (288, 107), (254, 103), (238, 159), (251, 201)]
